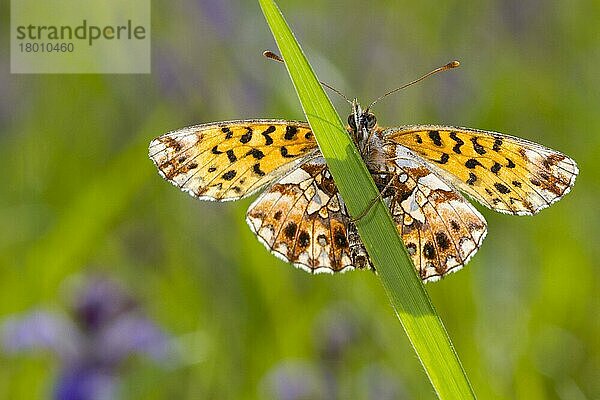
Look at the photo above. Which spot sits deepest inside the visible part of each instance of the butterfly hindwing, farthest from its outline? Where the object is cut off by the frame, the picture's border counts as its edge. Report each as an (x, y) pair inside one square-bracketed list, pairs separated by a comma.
[(303, 220), (230, 160), (502, 172), (439, 227)]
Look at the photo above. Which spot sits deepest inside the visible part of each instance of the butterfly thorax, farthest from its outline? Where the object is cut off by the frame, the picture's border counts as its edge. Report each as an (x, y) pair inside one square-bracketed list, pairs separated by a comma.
[(367, 136)]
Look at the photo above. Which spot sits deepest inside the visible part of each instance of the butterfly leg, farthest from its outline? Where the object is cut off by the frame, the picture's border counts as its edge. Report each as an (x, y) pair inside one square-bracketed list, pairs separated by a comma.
[(379, 196)]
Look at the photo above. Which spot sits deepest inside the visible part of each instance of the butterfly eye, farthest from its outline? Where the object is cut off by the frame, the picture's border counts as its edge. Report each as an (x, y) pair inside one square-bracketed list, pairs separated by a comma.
[(371, 120), (352, 122)]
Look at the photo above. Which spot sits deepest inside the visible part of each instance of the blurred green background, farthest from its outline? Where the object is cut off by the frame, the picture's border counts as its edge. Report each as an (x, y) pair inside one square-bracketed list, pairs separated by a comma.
[(80, 196)]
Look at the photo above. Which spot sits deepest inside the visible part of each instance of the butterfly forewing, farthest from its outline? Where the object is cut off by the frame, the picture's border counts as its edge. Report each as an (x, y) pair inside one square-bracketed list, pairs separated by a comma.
[(230, 160), (504, 173)]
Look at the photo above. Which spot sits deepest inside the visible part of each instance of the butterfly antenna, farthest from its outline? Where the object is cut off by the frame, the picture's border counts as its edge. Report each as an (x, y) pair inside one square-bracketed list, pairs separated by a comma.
[(450, 65), (276, 57)]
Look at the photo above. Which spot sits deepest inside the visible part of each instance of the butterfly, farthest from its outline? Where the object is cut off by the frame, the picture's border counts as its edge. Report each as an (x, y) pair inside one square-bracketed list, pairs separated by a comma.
[(422, 171)]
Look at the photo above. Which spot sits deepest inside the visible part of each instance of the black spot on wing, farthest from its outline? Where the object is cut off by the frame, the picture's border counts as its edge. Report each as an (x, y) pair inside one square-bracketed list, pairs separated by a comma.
[(266, 133), (339, 237), (455, 226), (501, 188), (246, 137), (472, 179), (435, 137), (290, 132), (284, 153), (227, 132), (229, 175), (443, 159), (429, 251), (495, 168), (257, 170), (231, 156), (442, 240), (471, 163), (477, 147), (497, 144), (303, 239), (290, 230), (459, 142), (256, 153)]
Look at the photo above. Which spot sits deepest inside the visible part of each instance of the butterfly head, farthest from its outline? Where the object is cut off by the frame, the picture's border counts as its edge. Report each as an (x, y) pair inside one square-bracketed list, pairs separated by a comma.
[(362, 125)]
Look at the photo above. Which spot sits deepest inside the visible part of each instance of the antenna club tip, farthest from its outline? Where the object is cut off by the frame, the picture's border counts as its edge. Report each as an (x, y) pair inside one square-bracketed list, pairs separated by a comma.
[(454, 64), (272, 56)]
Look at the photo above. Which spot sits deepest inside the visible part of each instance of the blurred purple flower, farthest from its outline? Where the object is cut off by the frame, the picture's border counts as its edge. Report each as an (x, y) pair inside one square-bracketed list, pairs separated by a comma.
[(380, 383), (107, 327), (42, 330), (293, 380), (169, 73), (335, 331), (220, 15), (520, 15), (85, 382), (338, 369)]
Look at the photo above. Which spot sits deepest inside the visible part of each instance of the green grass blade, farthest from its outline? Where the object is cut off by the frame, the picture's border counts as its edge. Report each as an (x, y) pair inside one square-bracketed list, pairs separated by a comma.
[(378, 232)]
